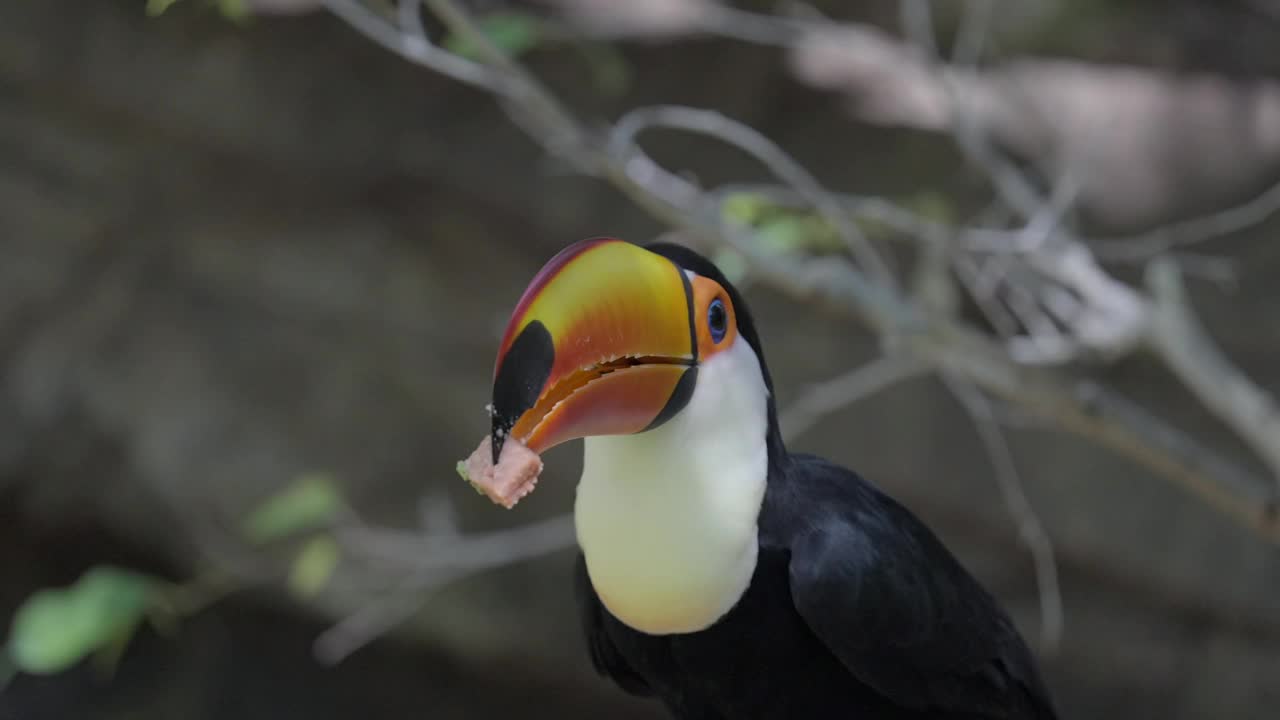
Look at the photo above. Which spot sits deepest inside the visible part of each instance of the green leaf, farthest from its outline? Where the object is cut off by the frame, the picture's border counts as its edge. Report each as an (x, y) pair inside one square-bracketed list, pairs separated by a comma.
[(744, 208), (309, 502), (783, 235), (314, 566), (57, 627), (234, 10), (512, 32), (932, 206)]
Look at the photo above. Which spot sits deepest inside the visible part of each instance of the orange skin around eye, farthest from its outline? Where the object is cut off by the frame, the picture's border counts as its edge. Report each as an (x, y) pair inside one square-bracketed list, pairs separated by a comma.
[(705, 291)]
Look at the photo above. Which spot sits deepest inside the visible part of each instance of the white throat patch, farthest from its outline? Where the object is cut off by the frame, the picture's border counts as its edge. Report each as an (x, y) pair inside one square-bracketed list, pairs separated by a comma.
[(667, 518)]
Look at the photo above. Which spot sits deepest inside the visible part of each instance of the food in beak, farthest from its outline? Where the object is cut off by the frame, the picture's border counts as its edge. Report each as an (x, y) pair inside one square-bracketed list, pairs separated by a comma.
[(514, 476)]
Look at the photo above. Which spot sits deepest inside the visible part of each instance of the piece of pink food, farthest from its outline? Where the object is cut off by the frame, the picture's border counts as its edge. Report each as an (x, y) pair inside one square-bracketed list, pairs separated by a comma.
[(512, 478)]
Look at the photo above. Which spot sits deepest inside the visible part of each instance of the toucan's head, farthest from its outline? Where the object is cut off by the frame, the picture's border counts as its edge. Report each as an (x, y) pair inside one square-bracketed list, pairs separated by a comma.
[(611, 338)]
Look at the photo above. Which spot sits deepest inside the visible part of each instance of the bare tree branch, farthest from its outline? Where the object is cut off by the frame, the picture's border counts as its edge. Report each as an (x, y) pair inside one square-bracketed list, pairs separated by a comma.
[(1110, 319), (372, 619), (915, 228), (449, 551), (944, 341), (824, 398), (1040, 284), (411, 42), (1184, 345), (718, 126), (1114, 127), (974, 276), (1030, 528), (1147, 245), (966, 123), (971, 35), (422, 561)]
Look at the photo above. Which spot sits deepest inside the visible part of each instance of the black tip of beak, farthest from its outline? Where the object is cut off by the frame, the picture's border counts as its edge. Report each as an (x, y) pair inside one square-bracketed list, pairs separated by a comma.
[(521, 377)]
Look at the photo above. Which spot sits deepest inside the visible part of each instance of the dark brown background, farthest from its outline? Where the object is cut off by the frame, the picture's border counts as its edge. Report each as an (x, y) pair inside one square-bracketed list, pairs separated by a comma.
[(229, 255)]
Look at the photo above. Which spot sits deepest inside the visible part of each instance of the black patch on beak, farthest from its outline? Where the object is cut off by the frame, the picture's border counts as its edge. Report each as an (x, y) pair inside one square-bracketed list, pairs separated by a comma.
[(680, 396), (524, 372)]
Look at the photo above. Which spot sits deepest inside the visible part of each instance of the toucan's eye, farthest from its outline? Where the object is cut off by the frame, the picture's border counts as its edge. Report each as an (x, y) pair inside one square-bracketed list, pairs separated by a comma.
[(716, 319)]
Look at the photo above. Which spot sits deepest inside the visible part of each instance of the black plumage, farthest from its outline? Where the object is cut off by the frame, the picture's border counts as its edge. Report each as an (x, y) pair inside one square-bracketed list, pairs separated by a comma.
[(855, 610)]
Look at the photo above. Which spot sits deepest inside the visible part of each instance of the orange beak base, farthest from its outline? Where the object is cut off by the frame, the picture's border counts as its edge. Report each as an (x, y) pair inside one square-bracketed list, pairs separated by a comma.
[(601, 343)]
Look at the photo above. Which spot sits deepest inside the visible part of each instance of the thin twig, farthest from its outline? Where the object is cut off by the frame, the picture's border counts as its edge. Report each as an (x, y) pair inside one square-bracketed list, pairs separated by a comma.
[(824, 398), (424, 561), (1042, 226), (911, 225), (412, 46), (1112, 421), (917, 19), (1221, 271), (1184, 345), (1138, 248), (916, 228), (376, 617), (409, 17), (1112, 315), (474, 552), (971, 35), (1043, 343), (1104, 316), (970, 272), (757, 28), (539, 112), (744, 137), (686, 207), (1111, 318), (1030, 528), (1010, 184)]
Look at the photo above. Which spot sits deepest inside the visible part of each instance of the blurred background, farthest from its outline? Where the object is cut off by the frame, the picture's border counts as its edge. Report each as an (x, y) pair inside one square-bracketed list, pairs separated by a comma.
[(254, 266)]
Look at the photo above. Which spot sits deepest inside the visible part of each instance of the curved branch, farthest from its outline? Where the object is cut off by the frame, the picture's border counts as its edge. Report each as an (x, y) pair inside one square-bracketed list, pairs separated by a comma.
[(1030, 529), (422, 561), (412, 44), (945, 341), (1196, 230), (743, 137), (1186, 348), (824, 398)]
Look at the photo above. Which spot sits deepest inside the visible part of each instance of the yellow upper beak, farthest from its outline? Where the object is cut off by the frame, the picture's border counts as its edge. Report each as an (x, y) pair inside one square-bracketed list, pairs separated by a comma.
[(601, 343)]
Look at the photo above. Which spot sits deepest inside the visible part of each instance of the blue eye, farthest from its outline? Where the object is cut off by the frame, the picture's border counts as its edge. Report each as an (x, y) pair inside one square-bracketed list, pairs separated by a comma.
[(717, 318)]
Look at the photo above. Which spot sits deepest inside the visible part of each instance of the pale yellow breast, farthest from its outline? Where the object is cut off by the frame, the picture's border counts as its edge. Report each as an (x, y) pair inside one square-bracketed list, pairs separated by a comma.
[(667, 518)]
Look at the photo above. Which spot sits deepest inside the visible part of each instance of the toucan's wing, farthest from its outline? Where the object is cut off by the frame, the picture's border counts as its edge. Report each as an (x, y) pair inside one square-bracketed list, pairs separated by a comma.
[(883, 594), (604, 655)]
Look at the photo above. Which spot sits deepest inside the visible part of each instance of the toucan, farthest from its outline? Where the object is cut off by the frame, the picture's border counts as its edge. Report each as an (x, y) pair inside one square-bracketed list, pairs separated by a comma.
[(718, 572)]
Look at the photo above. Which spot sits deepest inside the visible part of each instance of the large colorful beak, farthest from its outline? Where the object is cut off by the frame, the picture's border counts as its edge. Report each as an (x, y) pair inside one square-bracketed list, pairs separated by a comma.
[(601, 343)]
